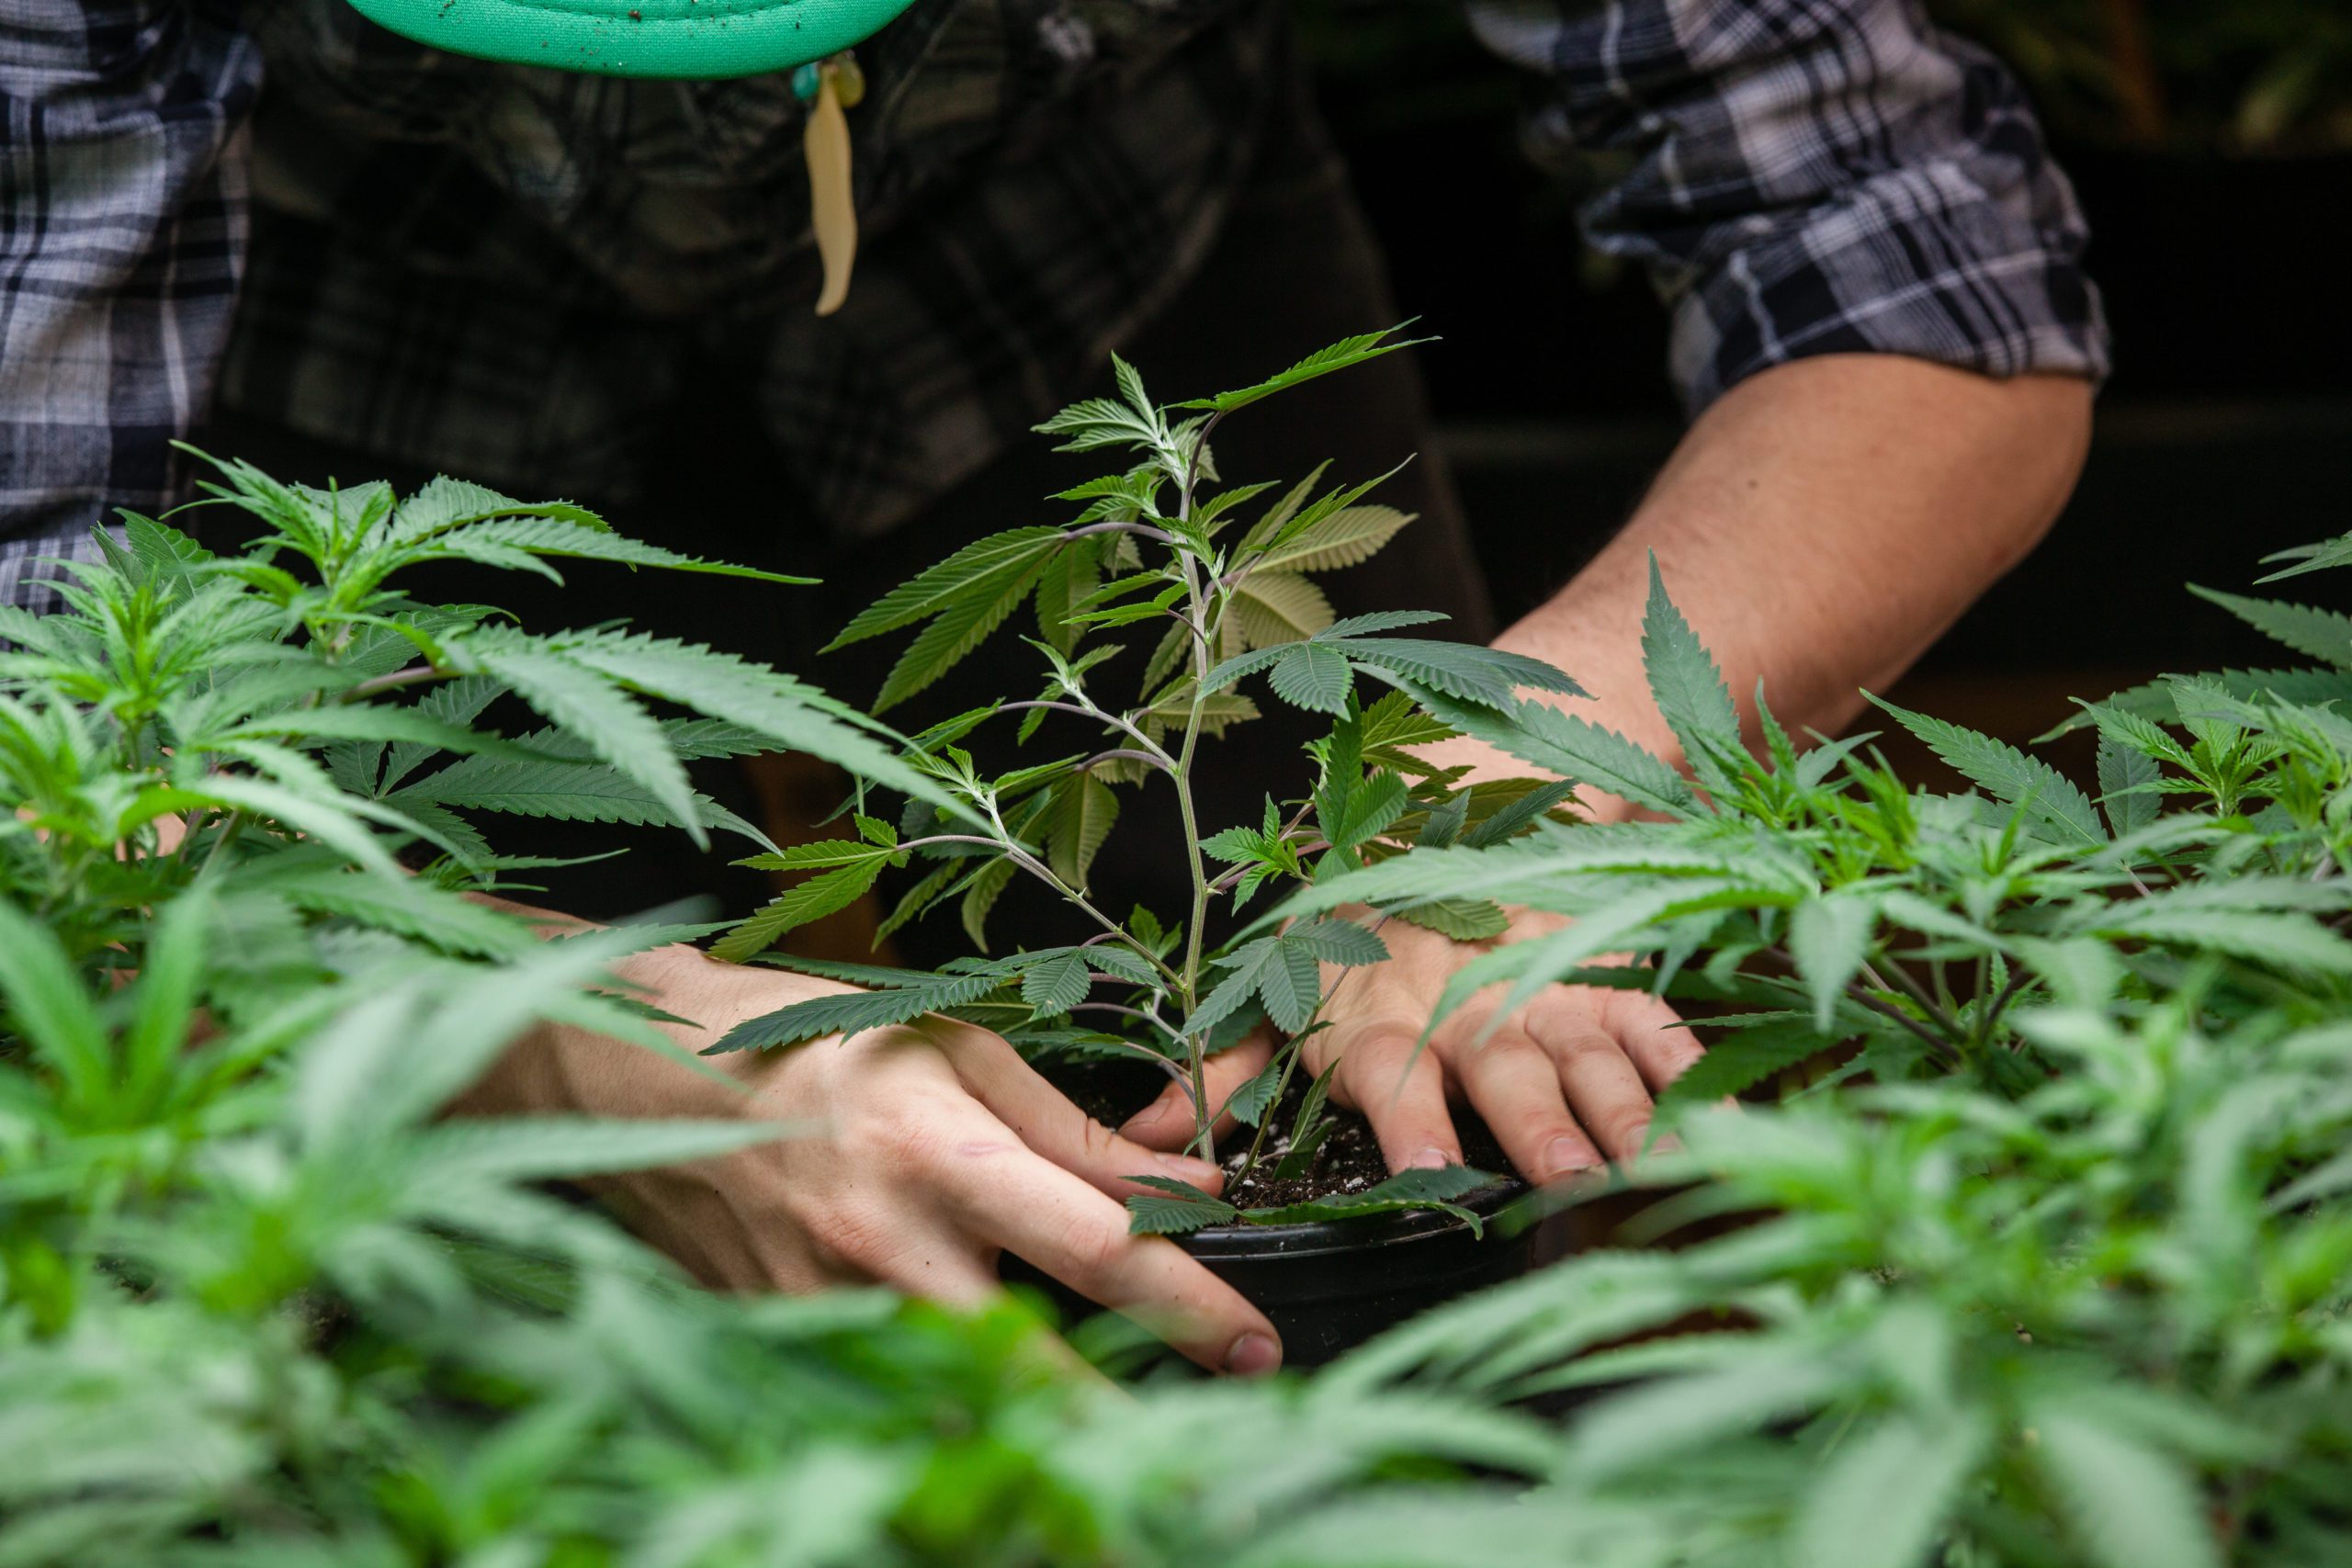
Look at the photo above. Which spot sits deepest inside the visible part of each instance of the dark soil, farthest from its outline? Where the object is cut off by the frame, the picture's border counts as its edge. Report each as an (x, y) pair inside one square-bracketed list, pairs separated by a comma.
[(1349, 1161)]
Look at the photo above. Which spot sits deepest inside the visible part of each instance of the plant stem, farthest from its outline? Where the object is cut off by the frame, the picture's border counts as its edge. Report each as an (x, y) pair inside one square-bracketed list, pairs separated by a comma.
[(1910, 988), (412, 675), (1035, 867), (1205, 1118)]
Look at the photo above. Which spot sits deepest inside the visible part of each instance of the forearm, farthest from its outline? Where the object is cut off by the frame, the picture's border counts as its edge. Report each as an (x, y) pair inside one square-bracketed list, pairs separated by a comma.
[(1820, 525)]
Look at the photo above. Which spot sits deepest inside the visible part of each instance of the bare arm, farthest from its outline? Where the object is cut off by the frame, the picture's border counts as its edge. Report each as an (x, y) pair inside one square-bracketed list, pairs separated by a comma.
[(1820, 525)]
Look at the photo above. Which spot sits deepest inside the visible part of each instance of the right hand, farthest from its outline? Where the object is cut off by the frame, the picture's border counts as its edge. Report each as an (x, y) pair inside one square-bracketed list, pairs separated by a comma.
[(930, 1147)]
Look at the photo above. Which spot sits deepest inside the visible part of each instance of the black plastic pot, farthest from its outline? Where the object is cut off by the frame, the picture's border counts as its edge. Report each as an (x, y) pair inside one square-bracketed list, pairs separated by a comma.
[(1331, 1286)]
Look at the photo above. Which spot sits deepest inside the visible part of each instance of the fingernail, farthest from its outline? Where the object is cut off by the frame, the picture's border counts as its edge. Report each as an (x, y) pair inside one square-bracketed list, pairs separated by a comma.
[(1430, 1160), (1253, 1356), (1561, 1157), (1195, 1171)]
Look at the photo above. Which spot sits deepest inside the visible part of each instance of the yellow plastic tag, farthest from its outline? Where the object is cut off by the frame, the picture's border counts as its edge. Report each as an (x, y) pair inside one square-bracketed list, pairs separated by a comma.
[(833, 209)]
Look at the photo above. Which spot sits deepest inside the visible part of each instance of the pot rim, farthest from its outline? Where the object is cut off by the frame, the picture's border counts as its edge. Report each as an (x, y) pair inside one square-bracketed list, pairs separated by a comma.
[(1315, 1237)]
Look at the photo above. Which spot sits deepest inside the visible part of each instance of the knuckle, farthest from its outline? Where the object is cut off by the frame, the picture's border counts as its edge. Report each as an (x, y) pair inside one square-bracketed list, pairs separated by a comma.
[(1094, 1249), (850, 1234), (1508, 1048), (1625, 1128)]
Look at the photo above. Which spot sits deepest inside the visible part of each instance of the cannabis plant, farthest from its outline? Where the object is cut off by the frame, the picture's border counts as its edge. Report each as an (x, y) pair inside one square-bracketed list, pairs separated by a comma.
[(1218, 580), (264, 1301)]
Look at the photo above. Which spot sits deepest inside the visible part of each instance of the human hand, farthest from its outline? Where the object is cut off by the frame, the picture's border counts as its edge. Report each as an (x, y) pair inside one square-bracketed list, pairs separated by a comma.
[(930, 1147), (1565, 1082)]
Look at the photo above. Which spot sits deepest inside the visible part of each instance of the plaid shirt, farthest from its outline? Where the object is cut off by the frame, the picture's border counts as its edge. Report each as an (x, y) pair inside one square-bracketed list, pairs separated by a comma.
[(497, 270)]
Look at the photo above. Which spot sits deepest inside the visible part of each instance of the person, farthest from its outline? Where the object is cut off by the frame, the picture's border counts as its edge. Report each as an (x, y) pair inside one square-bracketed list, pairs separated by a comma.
[(400, 259)]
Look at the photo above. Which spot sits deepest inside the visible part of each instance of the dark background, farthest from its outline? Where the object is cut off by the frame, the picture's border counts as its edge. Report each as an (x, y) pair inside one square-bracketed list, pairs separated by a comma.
[(2207, 143)]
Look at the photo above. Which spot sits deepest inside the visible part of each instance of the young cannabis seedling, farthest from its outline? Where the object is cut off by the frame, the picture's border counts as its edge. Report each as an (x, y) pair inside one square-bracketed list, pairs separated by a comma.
[(1224, 594)]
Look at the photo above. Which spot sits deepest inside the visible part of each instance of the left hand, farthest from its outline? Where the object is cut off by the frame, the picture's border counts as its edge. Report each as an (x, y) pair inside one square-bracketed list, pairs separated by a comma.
[(1565, 1082)]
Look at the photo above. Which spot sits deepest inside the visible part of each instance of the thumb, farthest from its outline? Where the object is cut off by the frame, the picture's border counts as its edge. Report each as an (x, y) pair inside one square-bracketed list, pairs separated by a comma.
[(1167, 1123)]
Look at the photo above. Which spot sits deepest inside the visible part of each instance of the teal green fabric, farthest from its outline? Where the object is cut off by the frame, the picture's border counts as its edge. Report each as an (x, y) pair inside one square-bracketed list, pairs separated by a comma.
[(701, 39)]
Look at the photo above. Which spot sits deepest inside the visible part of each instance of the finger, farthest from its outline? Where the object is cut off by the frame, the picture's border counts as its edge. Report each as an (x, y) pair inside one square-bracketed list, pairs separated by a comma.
[(1401, 1091), (1605, 1088), (1660, 1044), (1515, 1085), (1050, 1123), (1057, 1222), (1167, 1123)]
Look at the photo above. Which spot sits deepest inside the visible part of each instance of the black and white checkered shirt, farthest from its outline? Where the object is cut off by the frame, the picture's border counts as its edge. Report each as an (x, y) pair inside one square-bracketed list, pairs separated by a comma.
[(497, 270)]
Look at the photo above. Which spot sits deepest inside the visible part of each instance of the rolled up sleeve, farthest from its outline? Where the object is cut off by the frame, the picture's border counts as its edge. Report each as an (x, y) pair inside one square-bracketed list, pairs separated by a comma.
[(1811, 177), (121, 241)]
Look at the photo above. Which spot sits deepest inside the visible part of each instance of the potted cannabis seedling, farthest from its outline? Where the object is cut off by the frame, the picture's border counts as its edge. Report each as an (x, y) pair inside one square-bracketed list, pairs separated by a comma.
[(1216, 581)]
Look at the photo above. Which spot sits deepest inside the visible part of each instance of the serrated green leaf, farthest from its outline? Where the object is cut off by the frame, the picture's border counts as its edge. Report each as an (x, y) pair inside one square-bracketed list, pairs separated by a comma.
[(1882, 1499), (2319, 634), (1462, 919), (1313, 677), (823, 894), (583, 703), (1339, 941), (1275, 608), (1415, 1189), (513, 541), (1341, 355), (1829, 937), (1347, 537), (2130, 1506), (2124, 774), (986, 886), (2008, 774), (1689, 689), (855, 1013), (1056, 985), (978, 569), (1084, 813), (1250, 1103), (1173, 1208), (1740, 1061)]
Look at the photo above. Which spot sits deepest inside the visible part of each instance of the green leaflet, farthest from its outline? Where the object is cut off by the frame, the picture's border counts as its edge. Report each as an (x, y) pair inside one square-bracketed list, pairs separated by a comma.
[(1347, 537), (1464, 920), (566, 791), (1740, 1061), (1056, 985), (1417, 1188), (576, 700), (2008, 774), (1250, 1103), (1689, 690), (2130, 1506), (1882, 1499), (1279, 607), (1076, 825), (823, 894), (978, 570), (1172, 1208), (1339, 356), (2323, 635), (1830, 937), (512, 541), (1574, 747), (2125, 774), (854, 1014)]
